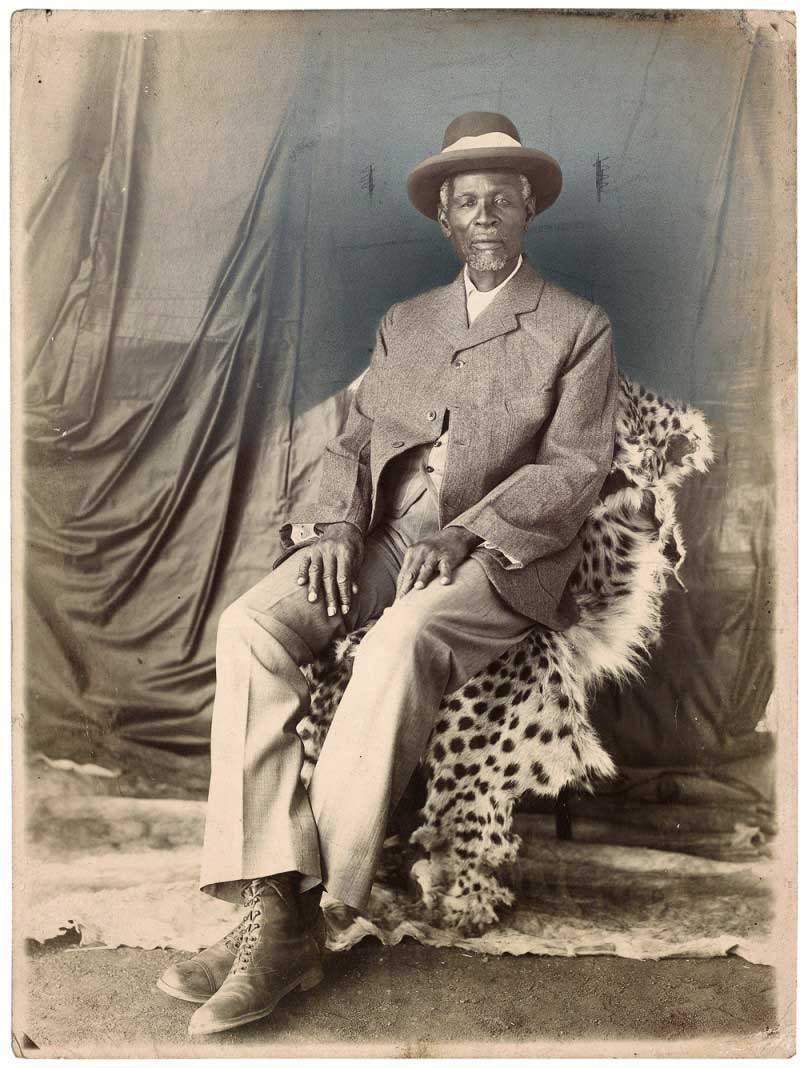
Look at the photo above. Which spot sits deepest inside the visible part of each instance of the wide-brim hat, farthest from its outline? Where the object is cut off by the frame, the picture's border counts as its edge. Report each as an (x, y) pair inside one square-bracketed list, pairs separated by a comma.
[(483, 141)]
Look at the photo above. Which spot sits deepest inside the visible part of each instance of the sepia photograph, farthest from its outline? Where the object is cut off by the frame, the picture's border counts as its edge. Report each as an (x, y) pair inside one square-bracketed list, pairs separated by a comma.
[(404, 494)]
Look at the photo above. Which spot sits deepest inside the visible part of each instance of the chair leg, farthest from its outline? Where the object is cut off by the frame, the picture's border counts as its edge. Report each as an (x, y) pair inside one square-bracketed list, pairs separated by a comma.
[(563, 816)]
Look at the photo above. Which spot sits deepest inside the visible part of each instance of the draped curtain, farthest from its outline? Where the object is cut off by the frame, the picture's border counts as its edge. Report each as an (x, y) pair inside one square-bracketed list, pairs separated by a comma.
[(210, 219)]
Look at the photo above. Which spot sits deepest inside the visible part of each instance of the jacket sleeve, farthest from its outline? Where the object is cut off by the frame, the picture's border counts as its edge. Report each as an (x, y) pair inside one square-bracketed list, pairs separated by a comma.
[(345, 483), (540, 508)]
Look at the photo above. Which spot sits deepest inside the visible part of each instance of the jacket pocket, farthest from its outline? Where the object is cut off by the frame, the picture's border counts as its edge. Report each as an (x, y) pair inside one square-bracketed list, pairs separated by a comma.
[(526, 417), (531, 404)]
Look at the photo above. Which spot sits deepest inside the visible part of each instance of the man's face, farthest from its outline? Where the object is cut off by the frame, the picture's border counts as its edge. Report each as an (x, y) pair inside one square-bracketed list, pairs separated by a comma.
[(486, 219)]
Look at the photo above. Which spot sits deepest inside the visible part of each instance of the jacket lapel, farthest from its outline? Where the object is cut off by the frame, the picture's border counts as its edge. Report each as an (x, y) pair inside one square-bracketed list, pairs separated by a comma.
[(522, 294), (449, 312), (448, 315)]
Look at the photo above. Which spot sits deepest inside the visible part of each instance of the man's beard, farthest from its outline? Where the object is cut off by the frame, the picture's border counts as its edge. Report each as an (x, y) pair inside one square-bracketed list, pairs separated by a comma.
[(487, 260)]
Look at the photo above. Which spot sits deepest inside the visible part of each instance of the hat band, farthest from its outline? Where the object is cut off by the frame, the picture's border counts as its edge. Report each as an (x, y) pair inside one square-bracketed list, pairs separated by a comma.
[(488, 140)]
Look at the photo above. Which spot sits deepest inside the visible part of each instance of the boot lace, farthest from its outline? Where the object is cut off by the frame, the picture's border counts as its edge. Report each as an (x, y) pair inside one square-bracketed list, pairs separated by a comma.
[(250, 925), (233, 939)]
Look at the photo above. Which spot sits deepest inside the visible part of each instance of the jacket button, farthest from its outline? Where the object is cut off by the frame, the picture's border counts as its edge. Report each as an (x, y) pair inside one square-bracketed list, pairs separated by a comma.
[(431, 415), (458, 364), (398, 444)]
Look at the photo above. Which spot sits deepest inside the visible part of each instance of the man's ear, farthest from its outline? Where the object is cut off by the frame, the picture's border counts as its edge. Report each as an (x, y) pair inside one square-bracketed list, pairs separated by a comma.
[(530, 211), (444, 222)]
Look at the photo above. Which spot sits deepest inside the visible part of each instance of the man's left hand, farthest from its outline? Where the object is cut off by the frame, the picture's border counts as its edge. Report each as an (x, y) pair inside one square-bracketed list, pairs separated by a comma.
[(440, 554)]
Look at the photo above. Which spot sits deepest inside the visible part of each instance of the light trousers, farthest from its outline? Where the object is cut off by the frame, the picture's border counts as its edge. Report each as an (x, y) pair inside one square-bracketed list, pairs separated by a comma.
[(261, 820)]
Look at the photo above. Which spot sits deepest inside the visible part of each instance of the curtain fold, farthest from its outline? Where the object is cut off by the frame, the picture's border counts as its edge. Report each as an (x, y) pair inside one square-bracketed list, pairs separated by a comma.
[(204, 248)]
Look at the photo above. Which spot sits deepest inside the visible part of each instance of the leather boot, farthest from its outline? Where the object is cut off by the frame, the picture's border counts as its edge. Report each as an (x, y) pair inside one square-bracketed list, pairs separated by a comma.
[(312, 917), (276, 955), (201, 976)]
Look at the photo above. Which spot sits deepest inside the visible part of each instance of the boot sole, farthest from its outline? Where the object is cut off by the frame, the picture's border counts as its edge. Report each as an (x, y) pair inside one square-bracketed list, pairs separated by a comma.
[(174, 992), (306, 982)]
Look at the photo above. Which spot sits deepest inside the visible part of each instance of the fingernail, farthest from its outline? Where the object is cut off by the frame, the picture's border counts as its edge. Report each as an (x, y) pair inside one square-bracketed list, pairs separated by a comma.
[(355, 588), (312, 596), (345, 608), (419, 585), (331, 611)]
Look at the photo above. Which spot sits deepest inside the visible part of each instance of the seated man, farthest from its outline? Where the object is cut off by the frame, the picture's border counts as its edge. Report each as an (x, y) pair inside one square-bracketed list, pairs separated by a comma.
[(476, 443)]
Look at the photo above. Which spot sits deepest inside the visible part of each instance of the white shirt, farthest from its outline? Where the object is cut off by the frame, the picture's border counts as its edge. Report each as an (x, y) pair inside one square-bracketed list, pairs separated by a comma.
[(477, 301)]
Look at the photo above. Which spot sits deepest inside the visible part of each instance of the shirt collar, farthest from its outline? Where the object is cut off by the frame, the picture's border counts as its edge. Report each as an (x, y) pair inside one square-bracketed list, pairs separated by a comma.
[(471, 288)]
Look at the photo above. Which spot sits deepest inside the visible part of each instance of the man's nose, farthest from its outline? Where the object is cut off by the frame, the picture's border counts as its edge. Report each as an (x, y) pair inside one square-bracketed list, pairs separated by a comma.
[(487, 215)]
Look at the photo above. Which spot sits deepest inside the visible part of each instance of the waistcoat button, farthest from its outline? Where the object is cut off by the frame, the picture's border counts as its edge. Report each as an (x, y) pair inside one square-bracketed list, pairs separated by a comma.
[(431, 415)]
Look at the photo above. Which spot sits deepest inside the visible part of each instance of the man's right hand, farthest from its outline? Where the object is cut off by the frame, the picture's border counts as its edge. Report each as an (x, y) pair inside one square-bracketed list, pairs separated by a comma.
[(333, 563)]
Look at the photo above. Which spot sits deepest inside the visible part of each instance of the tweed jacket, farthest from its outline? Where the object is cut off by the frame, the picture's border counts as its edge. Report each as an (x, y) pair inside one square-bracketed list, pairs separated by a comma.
[(529, 393)]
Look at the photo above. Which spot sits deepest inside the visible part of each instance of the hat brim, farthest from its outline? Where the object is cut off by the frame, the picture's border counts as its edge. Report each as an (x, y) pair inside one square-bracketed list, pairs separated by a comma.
[(541, 170)]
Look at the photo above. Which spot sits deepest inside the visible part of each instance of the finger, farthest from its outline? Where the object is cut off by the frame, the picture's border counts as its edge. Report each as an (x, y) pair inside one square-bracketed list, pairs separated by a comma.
[(400, 582), (446, 571), (329, 581), (314, 575), (302, 573), (405, 580), (343, 581), (427, 570)]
